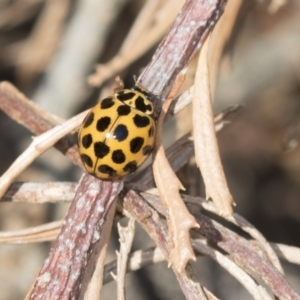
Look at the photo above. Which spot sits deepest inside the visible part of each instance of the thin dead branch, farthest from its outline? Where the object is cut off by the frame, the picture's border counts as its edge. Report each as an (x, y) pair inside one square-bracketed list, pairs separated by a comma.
[(75, 265), (149, 219), (43, 233), (38, 146), (31, 116), (35, 53), (64, 87), (134, 45), (258, 292), (241, 251)]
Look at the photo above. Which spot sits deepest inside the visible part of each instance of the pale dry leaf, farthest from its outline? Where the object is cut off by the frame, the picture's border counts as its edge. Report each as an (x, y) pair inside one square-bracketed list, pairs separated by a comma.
[(206, 147), (180, 221)]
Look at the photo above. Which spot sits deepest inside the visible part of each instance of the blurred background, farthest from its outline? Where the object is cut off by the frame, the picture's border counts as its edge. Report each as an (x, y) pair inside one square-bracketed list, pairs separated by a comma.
[(48, 50)]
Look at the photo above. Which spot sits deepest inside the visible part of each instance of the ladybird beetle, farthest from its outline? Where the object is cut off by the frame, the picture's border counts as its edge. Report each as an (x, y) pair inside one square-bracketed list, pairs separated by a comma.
[(117, 135)]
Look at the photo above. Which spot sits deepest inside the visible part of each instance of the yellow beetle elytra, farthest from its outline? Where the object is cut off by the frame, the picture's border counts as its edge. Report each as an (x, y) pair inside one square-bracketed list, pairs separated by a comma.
[(117, 135)]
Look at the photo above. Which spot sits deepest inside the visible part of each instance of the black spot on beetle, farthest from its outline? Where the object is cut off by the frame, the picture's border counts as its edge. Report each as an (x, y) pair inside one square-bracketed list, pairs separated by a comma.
[(86, 160), (147, 150), (124, 110), (101, 149), (136, 144), (122, 96), (151, 131), (120, 133), (87, 140), (88, 120), (130, 167), (141, 105), (142, 91), (141, 121), (107, 103), (105, 169), (103, 123), (118, 156)]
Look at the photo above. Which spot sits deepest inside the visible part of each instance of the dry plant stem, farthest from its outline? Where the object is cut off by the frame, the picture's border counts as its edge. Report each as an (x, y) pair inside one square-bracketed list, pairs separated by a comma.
[(37, 120), (235, 219), (249, 228), (206, 147), (244, 225), (42, 233), (243, 254), (259, 66), (275, 5), (93, 277), (257, 291), (141, 24), (203, 293), (134, 206), (37, 50), (205, 204), (179, 103), (183, 149), (19, 108), (17, 12), (57, 192), (49, 231), (31, 192), (127, 54), (38, 146), (60, 277), (220, 37), (126, 238), (143, 258), (136, 261), (209, 295), (185, 37), (289, 253), (180, 221), (82, 43), (40, 192), (186, 98)]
